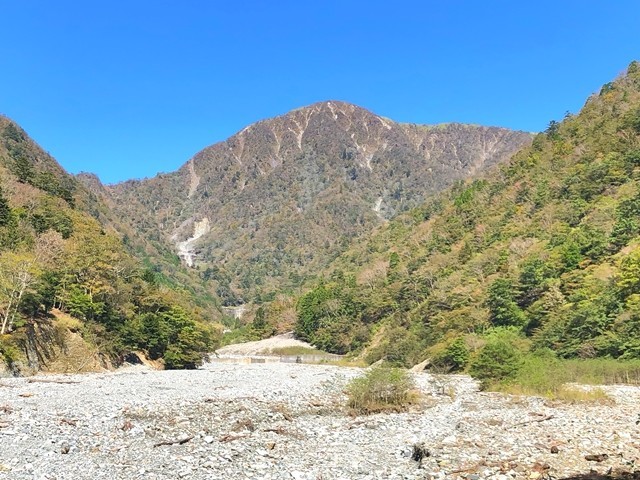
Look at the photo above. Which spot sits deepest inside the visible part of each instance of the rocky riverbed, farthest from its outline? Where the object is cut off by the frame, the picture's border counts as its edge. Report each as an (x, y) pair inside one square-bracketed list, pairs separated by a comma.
[(286, 421)]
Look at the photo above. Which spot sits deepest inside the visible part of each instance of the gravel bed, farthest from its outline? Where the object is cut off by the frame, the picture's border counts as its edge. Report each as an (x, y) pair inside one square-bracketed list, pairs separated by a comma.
[(287, 421)]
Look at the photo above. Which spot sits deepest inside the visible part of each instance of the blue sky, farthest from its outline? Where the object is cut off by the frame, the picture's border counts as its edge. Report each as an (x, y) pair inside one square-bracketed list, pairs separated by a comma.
[(126, 89)]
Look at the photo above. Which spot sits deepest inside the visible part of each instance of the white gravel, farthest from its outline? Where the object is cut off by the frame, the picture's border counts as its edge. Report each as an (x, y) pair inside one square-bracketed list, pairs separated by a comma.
[(260, 347), (285, 421)]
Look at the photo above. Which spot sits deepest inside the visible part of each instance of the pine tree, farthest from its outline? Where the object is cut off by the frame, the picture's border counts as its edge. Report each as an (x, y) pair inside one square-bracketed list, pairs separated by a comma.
[(5, 210)]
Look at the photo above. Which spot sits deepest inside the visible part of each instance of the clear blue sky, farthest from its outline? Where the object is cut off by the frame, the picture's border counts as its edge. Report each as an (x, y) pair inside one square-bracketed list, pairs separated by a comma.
[(126, 89)]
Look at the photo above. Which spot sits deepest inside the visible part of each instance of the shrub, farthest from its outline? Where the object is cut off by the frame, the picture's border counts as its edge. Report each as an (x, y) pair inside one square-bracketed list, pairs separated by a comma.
[(499, 360), (9, 351), (381, 389), (453, 358)]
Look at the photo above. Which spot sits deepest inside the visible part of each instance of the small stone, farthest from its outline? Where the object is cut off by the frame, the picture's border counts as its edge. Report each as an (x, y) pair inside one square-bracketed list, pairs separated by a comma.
[(185, 472), (555, 449), (450, 440), (209, 439), (65, 448), (271, 445)]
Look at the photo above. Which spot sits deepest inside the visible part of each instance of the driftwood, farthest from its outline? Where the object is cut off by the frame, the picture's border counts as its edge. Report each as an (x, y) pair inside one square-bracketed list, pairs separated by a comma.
[(230, 438), (536, 420), (178, 441), (601, 457), (50, 380), (278, 430)]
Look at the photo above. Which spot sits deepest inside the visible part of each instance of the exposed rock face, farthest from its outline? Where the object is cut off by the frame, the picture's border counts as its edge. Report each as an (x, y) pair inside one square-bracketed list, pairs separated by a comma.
[(286, 195), (186, 248)]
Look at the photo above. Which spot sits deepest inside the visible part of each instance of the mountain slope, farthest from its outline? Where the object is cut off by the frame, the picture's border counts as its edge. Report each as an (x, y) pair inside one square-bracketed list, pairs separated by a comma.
[(277, 201), (547, 247), (59, 254)]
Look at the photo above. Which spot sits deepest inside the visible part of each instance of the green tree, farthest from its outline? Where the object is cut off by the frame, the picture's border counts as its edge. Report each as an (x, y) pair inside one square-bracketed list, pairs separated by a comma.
[(532, 282), (23, 168), (499, 360), (5, 210), (455, 357), (503, 309)]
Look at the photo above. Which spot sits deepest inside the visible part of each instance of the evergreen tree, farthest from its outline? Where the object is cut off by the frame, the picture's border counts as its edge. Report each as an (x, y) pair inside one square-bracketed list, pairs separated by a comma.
[(5, 210)]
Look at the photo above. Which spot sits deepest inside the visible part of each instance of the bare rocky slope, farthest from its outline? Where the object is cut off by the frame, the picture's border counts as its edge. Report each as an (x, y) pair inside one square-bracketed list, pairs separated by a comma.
[(278, 200), (286, 421)]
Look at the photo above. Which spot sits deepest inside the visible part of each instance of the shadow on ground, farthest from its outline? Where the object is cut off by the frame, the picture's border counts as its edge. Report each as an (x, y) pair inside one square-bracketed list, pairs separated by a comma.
[(612, 476)]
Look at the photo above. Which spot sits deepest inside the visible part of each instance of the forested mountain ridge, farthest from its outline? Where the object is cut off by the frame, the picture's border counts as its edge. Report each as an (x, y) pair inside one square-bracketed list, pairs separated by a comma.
[(154, 254), (545, 251), (60, 255), (273, 204)]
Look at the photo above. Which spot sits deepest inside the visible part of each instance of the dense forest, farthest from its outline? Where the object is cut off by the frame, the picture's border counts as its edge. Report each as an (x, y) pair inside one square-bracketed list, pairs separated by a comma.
[(542, 255), (58, 256)]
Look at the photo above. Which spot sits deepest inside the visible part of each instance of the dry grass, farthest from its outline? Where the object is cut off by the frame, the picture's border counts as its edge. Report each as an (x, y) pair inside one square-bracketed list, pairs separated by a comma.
[(571, 380), (66, 321), (573, 394), (565, 393), (294, 350), (382, 389), (344, 362)]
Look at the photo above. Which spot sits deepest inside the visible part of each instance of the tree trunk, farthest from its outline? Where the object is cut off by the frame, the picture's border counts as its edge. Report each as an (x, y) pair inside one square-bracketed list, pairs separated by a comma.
[(7, 314)]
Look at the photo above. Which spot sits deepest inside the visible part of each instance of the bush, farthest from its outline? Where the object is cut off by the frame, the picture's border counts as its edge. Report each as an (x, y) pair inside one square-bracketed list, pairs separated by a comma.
[(499, 360), (454, 358), (9, 351), (381, 389)]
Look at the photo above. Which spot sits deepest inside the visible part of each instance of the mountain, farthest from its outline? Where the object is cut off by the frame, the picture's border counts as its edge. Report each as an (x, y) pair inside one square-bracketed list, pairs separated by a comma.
[(68, 277), (276, 202), (544, 251)]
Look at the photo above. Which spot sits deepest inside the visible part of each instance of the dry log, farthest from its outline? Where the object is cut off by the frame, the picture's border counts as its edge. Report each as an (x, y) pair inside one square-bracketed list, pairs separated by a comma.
[(178, 441), (537, 420), (50, 380)]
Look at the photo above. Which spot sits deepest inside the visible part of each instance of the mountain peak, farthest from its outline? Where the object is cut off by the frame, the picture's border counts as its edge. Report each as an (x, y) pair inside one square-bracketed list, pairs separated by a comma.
[(285, 194)]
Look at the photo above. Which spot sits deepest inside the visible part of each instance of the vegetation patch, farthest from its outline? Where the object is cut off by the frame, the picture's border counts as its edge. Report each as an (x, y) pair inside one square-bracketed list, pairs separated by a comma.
[(503, 367), (295, 350), (492, 274), (381, 389)]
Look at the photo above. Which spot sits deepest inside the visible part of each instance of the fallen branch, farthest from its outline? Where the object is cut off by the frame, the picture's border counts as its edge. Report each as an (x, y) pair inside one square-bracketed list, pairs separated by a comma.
[(230, 438), (179, 441), (50, 380), (601, 457), (537, 420), (278, 430)]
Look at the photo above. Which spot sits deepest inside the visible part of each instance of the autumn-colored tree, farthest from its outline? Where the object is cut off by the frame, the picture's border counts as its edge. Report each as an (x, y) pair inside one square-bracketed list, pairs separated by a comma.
[(18, 274)]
